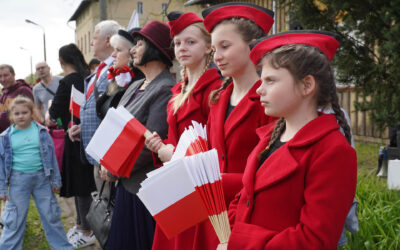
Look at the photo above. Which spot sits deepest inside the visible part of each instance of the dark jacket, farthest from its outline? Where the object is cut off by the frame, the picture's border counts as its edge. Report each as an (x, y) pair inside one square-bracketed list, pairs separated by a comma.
[(20, 88), (150, 108)]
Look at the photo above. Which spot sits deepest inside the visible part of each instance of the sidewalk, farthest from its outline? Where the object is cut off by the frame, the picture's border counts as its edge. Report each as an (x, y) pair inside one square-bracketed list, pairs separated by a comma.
[(68, 214)]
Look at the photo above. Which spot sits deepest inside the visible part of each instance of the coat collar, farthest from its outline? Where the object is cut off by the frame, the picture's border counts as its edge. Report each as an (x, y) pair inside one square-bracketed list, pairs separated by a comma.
[(312, 132), (242, 110), (208, 78)]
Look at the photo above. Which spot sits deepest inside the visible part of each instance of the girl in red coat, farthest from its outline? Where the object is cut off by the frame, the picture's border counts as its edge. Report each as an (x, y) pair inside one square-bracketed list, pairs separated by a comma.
[(300, 179), (235, 110), (192, 45)]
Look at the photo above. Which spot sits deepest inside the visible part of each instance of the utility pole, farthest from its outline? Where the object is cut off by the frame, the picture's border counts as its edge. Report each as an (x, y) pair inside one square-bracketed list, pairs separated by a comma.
[(103, 10)]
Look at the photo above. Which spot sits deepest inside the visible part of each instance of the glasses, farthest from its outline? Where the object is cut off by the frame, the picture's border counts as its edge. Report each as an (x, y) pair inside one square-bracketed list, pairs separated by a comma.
[(40, 68)]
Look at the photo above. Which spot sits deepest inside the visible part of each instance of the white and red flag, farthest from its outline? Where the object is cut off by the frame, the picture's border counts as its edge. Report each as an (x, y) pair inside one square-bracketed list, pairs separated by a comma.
[(184, 192), (192, 141), (76, 101), (117, 142)]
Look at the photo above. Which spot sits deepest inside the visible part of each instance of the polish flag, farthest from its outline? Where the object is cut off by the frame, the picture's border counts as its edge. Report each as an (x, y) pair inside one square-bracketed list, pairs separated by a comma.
[(117, 142), (192, 141), (172, 199), (184, 192), (77, 99)]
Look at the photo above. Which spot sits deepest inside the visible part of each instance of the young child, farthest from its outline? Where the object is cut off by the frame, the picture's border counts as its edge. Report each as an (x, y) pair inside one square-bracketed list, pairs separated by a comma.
[(300, 179), (28, 166), (192, 44)]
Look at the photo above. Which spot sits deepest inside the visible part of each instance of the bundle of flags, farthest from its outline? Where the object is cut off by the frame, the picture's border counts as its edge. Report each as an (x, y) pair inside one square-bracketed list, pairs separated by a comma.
[(76, 101), (192, 141), (118, 141), (185, 192)]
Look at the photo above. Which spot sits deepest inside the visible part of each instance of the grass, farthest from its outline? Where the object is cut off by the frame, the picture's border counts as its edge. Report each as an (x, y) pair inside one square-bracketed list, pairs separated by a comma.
[(379, 210)]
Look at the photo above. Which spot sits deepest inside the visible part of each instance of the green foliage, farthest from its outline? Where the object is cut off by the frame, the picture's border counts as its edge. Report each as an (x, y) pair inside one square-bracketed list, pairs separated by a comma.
[(369, 55), (379, 208)]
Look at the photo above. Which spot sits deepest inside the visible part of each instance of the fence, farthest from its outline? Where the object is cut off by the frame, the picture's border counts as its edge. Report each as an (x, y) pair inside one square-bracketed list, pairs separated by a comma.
[(361, 125)]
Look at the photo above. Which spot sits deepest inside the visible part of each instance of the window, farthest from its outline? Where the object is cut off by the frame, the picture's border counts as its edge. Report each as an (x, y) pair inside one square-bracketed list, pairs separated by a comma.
[(140, 8)]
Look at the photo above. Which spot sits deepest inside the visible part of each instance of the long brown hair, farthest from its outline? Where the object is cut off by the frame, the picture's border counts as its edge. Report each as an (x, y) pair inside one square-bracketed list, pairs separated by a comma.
[(301, 61), (248, 31), (185, 93)]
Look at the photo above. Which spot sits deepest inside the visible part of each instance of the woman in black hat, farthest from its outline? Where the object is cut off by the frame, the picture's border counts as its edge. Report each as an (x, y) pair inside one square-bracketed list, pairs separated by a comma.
[(132, 225)]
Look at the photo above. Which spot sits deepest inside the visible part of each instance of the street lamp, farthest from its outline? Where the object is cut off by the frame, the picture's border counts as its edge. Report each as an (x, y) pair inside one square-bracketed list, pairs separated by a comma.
[(30, 58), (44, 36)]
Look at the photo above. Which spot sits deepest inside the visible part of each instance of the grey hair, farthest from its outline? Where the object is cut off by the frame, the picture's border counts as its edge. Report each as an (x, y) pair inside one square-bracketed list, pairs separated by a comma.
[(107, 28), (118, 39)]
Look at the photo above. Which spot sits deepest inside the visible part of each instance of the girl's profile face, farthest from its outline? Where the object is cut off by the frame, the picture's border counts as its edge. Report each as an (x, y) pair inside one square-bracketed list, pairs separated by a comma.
[(231, 51), (280, 94), (190, 47), (22, 116), (121, 55)]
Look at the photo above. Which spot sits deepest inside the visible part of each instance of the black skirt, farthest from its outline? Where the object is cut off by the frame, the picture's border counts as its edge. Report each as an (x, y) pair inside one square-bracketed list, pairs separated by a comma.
[(132, 226), (77, 178)]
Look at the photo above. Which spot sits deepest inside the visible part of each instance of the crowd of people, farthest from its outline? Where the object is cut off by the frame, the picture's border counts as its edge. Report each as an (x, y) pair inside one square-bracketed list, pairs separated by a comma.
[(265, 101)]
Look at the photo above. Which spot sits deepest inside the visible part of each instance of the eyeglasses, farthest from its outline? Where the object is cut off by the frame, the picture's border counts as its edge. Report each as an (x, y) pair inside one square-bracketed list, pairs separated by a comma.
[(40, 68)]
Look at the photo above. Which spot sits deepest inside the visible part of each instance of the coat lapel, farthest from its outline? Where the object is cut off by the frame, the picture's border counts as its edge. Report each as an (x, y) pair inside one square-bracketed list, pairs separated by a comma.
[(242, 110), (267, 176)]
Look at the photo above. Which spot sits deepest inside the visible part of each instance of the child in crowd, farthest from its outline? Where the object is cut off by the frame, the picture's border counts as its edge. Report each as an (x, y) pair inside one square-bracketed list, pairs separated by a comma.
[(28, 166), (300, 179), (192, 44), (235, 109)]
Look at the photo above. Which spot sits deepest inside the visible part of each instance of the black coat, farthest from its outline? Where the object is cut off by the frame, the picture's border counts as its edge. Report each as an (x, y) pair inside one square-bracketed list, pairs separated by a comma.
[(77, 177)]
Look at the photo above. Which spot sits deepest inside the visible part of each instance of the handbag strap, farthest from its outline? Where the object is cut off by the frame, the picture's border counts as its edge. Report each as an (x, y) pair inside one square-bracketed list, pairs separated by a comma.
[(46, 88), (109, 196)]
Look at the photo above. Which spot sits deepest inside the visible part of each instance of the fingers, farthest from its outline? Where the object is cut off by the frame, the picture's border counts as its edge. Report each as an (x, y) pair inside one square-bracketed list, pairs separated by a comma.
[(154, 142)]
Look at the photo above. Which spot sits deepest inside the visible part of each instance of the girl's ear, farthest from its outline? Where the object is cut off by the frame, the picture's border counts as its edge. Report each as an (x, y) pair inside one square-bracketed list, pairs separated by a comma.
[(308, 85), (208, 49)]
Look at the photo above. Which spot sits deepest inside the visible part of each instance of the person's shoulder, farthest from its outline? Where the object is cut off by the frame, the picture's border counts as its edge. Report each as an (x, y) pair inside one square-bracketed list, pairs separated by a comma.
[(58, 78)]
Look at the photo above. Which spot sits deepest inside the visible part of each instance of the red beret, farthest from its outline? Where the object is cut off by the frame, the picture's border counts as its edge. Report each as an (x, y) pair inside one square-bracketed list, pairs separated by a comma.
[(178, 21), (261, 16), (326, 42)]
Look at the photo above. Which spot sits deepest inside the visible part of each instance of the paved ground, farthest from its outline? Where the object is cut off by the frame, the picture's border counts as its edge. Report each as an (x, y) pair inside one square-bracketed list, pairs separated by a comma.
[(69, 214)]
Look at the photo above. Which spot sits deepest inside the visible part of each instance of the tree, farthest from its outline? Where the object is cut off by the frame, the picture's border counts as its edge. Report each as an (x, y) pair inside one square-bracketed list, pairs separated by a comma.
[(369, 55)]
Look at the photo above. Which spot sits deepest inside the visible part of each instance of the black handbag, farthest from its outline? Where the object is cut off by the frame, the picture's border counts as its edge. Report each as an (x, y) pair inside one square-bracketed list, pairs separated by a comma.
[(100, 215)]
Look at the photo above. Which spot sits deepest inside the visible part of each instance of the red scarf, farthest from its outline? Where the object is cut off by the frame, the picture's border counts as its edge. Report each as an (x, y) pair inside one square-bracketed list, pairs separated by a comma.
[(112, 72)]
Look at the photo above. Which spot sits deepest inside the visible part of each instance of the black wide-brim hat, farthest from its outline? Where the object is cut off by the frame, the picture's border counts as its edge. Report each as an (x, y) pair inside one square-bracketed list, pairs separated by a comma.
[(127, 34), (263, 17), (157, 33), (178, 21), (326, 42)]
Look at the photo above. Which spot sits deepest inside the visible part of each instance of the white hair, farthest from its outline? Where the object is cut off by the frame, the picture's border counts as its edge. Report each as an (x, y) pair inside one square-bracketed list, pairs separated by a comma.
[(118, 39), (107, 28)]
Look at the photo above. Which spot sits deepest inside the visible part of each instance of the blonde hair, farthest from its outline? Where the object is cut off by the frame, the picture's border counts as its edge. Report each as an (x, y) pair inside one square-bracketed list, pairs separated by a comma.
[(185, 93), (21, 100)]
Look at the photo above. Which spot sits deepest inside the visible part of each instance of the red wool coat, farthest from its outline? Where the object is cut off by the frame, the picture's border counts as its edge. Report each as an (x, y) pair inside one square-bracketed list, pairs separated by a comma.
[(235, 137), (196, 109), (300, 196)]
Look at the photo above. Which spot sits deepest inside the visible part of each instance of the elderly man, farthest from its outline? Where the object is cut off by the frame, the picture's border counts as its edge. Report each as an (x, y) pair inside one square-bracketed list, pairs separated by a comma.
[(11, 89), (94, 84), (45, 90)]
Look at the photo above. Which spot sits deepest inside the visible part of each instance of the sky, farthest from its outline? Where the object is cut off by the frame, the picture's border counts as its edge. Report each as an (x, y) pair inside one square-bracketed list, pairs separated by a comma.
[(52, 15)]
